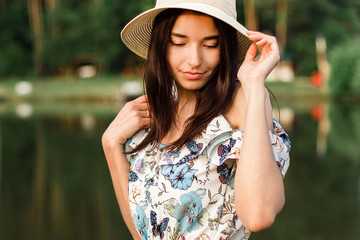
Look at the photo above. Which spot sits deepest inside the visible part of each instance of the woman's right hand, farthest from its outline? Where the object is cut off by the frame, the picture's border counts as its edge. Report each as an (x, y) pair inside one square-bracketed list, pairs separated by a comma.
[(132, 117)]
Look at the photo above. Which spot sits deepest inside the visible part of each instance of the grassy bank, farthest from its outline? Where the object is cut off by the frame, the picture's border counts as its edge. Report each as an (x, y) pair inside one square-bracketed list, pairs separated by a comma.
[(58, 89), (300, 89), (113, 89)]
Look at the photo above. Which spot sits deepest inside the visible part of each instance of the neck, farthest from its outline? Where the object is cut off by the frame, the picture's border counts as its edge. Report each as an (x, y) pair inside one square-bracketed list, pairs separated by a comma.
[(186, 108), (187, 102)]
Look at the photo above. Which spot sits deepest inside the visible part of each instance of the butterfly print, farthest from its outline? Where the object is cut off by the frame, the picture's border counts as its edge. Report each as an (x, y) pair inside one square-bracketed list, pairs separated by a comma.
[(194, 149), (158, 229)]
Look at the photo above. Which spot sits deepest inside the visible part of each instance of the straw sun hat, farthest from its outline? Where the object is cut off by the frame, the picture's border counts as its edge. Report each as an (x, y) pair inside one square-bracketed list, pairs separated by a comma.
[(137, 33)]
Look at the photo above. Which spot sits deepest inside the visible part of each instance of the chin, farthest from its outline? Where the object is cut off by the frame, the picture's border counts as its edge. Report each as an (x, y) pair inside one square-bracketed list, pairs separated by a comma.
[(192, 86)]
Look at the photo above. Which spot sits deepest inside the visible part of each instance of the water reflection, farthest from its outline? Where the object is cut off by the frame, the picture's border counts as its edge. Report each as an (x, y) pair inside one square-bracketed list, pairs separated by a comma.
[(54, 182), (54, 179), (322, 185)]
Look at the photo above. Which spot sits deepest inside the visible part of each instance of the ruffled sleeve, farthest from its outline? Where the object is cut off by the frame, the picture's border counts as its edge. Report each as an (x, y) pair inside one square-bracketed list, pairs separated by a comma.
[(222, 142), (225, 143), (133, 142), (281, 146)]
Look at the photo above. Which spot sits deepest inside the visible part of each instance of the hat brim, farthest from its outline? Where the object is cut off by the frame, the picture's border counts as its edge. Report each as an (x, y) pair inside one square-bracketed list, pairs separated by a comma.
[(136, 34)]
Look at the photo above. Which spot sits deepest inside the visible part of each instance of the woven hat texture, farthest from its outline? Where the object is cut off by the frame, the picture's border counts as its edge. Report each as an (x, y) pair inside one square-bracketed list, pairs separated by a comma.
[(136, 34)]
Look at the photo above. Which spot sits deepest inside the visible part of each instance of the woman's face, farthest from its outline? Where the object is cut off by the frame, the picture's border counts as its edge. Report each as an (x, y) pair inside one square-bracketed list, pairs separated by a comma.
[(193, 52)]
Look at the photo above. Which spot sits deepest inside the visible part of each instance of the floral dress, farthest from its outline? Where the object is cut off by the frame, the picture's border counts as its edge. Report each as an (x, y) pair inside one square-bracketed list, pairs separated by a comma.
[(189, 194)]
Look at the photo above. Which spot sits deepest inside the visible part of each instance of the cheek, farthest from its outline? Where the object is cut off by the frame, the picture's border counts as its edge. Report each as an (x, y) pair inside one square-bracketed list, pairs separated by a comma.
[(171, 58), (172, 63), (214, 60)]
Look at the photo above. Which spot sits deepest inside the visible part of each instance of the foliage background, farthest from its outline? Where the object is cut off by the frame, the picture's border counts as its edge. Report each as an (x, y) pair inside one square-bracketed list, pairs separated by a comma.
[(76, 32), (50, 158)]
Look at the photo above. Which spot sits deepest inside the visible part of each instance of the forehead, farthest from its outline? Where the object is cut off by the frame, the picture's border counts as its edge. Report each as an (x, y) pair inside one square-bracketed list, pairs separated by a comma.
[(189, 23)]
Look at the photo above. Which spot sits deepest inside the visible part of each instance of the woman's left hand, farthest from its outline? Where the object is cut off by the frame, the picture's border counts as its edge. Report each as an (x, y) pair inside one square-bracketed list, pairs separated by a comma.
[(252, 71), (259, 189)]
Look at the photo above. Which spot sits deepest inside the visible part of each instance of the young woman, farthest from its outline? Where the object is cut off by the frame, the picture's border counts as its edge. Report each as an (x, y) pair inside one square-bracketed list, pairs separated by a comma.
[(199, 156)]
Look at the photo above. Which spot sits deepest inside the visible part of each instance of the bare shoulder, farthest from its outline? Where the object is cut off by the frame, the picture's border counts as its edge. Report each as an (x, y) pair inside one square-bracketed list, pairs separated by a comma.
[(236, 114)]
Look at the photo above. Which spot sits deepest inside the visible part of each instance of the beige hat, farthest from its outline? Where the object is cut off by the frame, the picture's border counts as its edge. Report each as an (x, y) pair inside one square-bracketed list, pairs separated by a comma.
[(137, 33)]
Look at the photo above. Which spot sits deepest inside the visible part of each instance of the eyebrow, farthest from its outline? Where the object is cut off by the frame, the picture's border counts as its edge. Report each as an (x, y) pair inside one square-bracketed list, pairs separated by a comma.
[(216, 37)]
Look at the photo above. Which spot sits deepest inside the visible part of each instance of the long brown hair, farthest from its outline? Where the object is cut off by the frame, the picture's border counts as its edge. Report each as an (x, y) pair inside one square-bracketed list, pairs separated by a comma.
[(213, 99)]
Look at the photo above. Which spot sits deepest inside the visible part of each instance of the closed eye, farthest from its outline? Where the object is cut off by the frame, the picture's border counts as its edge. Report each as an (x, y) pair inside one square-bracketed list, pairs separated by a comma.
[(212, 45), (178, 44), (211, 42)]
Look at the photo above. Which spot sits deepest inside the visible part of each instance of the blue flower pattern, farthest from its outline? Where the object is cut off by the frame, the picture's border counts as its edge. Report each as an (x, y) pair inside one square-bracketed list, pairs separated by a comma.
[(180, 175), (188, 211), (190, 193), (140, 220)]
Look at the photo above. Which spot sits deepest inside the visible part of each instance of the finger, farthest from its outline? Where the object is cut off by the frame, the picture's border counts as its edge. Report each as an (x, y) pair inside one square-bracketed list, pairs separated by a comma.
[(251, 53), (256, 37), (141, 99), (251, 32), (147, 123), (147, 114), (257, 34), (268, 43), (143, 106), (262, 42)]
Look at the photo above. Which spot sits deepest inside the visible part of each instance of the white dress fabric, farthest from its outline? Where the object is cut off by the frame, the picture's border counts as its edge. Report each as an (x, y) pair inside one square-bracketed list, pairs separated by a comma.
[(189, 194)]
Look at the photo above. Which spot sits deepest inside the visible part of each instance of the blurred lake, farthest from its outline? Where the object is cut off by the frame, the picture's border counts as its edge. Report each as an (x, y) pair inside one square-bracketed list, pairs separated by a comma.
[(54, 181)]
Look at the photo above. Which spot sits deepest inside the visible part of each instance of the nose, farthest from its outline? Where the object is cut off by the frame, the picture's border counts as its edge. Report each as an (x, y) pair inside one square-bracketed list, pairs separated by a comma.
[(194, 56)]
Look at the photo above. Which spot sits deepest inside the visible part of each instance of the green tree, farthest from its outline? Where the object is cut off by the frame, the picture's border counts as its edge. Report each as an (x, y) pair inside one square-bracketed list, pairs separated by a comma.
[(336, 20), (89, 31), (15, 40), (345, 72), (78, 31)]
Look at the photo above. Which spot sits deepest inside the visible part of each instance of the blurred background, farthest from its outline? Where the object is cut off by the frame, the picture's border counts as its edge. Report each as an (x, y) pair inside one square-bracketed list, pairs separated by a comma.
[(64, 75)]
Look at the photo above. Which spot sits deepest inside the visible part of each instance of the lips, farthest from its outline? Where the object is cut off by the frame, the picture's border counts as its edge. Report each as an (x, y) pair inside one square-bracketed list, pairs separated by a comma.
[(193, 75)]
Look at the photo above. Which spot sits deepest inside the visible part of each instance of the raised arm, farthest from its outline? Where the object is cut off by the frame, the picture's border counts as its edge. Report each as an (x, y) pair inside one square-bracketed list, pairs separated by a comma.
[(259, 191), (131, 118)]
